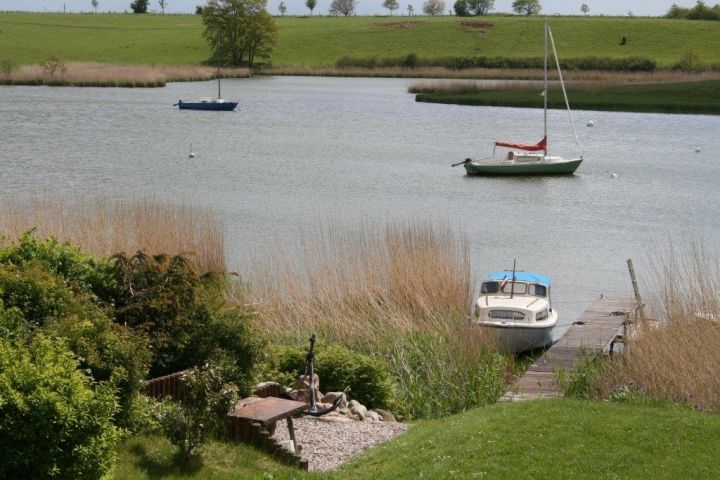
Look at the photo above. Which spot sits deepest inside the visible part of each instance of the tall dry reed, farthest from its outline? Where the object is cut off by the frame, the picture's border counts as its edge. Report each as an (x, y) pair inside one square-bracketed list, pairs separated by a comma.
[(104, 227), (397, 290), (110, 75), (677, 355), (574, 80), (353, 285)]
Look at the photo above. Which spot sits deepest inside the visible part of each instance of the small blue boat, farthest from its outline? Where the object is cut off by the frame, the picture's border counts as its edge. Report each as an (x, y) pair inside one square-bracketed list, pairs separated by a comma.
[(210, 103)]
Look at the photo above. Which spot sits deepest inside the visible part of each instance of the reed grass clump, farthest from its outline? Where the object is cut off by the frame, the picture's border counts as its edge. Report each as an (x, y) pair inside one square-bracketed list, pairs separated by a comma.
[(104, 227), (395, 290), (676, 355), (93, 74)]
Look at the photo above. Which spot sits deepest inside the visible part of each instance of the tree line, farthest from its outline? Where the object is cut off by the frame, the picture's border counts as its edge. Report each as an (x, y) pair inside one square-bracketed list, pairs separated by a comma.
[(701, 11)]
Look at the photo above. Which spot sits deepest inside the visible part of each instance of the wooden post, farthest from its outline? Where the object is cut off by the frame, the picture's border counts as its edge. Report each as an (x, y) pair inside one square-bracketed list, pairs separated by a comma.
[(641, 307), (291, 431)]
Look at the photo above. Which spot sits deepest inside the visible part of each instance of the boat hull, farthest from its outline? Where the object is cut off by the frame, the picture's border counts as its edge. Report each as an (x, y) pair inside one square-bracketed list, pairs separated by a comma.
[(511, 169), (213, 106), (516, 339)]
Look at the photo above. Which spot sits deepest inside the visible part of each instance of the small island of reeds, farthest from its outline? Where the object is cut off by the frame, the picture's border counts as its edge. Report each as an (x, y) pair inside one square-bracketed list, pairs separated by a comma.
[(658, 93)]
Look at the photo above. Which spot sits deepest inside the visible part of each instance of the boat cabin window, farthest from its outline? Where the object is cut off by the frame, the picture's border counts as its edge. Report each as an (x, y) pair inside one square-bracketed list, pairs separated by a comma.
[(490, 287), (519, 288), (527, 158), (544, 315), (506, 315), (538, 290)]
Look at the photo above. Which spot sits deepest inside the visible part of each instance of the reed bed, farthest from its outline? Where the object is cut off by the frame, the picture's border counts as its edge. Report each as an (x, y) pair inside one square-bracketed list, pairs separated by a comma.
[(397, 290), (676, 355), (109, 75), (574, 80), (104, 227)]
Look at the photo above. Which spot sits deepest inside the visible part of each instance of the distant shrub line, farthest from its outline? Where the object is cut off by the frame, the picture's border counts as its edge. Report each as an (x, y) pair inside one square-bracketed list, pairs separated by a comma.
[(411, 60)]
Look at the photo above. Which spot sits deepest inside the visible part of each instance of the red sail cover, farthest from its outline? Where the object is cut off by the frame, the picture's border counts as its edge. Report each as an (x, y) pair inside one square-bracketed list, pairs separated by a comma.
[(542, 145)]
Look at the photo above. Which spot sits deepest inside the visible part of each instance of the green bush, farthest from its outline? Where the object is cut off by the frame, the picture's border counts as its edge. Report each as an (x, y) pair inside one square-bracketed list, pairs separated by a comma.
[(82, 272), (363, 378), (53, 421), (39, 295), (628, 64), (184, 316), (111, 353), (202, 412), (223, 336)]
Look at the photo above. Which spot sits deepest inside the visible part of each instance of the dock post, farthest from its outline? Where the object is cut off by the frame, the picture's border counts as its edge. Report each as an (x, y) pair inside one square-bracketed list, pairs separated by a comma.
[(641, 307)]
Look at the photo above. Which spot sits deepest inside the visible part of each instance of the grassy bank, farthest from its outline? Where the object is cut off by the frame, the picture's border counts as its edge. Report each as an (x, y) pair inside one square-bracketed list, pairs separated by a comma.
[(542, 439), (29, 38), (702, 97)]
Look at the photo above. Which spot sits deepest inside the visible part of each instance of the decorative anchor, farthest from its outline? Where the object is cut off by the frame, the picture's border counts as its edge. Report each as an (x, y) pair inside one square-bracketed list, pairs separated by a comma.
[(310, 372)]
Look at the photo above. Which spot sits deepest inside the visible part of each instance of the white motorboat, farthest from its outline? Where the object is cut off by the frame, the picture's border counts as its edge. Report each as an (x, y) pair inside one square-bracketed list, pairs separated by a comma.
[(515, 311)]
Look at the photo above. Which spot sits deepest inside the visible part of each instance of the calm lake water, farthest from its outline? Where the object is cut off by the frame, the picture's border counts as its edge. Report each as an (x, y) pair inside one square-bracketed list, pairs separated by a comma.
[(306, 149)]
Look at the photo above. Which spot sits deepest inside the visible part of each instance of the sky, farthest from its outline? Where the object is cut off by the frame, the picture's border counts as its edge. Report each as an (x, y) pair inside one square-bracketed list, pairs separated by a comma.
[(654, 8)]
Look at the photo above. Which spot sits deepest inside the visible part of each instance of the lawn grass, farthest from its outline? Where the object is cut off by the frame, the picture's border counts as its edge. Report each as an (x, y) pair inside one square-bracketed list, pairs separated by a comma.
[(540, 439), (688, 97), (551, 439), (29, 38)]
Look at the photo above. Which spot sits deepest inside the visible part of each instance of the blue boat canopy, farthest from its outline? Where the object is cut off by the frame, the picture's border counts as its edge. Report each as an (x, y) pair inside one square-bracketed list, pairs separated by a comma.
[(519, 277)]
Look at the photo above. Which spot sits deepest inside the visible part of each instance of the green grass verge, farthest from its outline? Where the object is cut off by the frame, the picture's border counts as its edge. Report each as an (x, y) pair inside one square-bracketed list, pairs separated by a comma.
[(541, 439), (551, 439), (691, 97), (28, 38)]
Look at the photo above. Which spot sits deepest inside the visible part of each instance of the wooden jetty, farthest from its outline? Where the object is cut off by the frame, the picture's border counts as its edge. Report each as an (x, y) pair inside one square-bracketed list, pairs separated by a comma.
[(599, 327)]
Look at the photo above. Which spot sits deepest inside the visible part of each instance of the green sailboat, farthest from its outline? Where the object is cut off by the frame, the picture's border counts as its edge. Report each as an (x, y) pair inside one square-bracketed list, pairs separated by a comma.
[(532, 159)]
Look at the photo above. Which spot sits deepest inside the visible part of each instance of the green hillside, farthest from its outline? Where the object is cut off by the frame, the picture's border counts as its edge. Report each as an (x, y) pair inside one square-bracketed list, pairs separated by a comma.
[(28, 38)]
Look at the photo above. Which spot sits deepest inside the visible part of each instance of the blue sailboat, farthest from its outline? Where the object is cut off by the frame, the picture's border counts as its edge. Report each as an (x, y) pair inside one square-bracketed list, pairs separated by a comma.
[(210, 103)]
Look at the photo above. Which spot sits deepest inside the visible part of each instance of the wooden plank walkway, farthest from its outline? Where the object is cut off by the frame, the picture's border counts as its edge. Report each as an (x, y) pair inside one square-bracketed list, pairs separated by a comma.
[(592, 334)]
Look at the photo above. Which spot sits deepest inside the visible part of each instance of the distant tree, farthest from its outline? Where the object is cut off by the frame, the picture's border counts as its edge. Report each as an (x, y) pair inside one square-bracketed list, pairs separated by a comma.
[(95, 4), (411, 9), (677, 11), (461, 8), (311, 4), (246, 29), (198, 9), (527, 7), (163, 4), (282, 8), (480, 7), (584, 8), (7, 67), (345, 7), (139, 6), (433, 7), (391, 5)]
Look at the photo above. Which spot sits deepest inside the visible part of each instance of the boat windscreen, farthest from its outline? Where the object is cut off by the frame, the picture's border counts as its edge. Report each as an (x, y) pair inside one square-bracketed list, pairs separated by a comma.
[(490, 287), (538, 290), (518, 288)]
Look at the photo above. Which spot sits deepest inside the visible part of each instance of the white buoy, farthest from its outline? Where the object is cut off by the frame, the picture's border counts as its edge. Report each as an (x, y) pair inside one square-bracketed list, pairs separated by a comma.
[(697, 150), (590, 123), (613, 175), (192, 154)]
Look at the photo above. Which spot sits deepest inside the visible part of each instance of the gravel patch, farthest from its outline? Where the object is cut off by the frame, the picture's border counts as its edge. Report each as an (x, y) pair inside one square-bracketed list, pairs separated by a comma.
[(327, 442)]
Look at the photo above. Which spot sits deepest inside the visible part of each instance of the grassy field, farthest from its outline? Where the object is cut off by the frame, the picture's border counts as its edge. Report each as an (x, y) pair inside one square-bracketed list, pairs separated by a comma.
[(690, 97), (28, 38), (540, 439)]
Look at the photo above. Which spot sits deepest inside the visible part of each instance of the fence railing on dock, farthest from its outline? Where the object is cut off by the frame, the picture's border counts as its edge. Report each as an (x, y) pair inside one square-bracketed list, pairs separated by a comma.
[(594, 333)]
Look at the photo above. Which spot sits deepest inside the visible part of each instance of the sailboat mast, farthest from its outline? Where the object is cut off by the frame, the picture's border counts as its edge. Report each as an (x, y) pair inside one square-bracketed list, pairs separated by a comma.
[(545, 92), (218, 59)]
